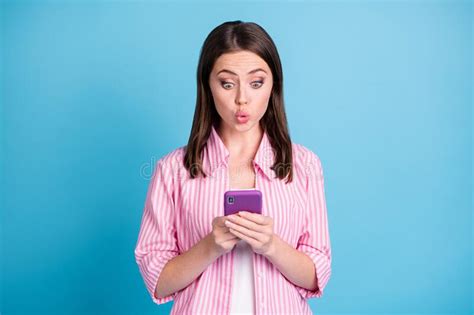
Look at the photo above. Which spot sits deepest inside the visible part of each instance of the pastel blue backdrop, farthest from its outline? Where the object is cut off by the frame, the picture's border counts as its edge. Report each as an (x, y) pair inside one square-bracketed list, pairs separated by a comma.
[(94, 93)]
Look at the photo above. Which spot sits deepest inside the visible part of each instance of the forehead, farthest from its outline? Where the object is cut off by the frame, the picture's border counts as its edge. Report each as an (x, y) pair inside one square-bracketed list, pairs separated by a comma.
[(241, 61)]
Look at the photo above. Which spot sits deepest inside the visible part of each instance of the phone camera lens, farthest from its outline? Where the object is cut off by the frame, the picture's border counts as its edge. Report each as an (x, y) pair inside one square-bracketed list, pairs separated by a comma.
[(231, 199)]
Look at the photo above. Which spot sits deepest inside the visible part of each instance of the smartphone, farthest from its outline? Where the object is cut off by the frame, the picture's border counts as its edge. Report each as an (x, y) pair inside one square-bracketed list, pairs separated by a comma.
[(242, 200)]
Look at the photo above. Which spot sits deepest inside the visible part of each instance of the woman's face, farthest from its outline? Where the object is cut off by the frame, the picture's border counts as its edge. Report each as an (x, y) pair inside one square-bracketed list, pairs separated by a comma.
[(241, 84)]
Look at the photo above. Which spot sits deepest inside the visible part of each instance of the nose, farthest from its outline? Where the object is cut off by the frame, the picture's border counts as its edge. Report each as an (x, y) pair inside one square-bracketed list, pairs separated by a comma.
[(241, 96)]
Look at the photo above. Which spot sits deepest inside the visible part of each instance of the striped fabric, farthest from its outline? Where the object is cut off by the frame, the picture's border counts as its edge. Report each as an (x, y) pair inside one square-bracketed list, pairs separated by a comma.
[(178, 213)]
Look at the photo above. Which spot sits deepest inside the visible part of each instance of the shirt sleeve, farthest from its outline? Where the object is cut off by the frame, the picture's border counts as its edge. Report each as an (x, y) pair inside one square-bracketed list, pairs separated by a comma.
[(157, 241), (315, 241)]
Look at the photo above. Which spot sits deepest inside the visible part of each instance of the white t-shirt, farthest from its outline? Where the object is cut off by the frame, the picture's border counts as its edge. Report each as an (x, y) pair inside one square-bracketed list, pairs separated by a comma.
[(243, 291)]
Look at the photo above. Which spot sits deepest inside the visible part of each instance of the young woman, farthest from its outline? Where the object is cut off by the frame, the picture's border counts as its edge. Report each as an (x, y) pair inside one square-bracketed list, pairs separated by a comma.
[(208, 263)]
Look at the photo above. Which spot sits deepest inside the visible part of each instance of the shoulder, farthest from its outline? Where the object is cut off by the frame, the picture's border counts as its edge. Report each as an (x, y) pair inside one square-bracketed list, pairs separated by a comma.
[(170, 165), (304, 154), (305, 160), (173, 157), (167, 170)]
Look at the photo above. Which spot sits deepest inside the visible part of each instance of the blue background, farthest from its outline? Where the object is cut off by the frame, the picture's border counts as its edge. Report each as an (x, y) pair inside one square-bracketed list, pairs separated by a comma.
[(94, 93)]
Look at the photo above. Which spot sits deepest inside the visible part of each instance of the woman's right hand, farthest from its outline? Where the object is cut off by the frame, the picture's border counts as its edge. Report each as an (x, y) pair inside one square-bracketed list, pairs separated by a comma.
[(221, 239)]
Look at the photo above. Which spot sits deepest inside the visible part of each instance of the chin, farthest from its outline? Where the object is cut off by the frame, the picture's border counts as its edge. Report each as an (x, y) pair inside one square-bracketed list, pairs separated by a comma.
[(244, 127)]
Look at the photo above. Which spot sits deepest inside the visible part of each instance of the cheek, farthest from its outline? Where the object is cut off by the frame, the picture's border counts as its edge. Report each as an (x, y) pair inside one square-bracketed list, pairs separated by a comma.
[(262, 101), (220, 99), (223, 105), (222, 102)]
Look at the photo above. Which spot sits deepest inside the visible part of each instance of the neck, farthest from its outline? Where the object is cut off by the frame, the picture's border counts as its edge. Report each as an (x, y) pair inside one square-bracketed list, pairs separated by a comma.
[(241, 143)]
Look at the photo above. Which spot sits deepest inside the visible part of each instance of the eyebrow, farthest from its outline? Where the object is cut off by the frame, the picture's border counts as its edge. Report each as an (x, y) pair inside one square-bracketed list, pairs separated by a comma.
[(250, 72)]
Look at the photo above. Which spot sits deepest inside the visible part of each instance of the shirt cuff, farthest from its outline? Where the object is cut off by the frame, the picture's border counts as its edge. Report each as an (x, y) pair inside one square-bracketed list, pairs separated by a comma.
[(323, 273), (151, 271)]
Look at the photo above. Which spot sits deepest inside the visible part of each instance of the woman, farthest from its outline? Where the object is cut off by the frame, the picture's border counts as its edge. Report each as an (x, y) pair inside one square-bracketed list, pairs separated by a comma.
[(208, 263)]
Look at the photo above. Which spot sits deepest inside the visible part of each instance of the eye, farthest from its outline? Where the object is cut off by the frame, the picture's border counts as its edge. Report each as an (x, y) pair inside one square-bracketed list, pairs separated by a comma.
[(258, 85), (226, 85)]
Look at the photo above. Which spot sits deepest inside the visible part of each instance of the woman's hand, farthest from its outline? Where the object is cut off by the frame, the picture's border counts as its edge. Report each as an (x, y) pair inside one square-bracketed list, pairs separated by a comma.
[(255, 229), (220, 239)]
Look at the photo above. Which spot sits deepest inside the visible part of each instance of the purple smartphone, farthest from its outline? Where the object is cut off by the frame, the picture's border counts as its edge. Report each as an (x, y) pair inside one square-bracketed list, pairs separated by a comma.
[(242, 200)]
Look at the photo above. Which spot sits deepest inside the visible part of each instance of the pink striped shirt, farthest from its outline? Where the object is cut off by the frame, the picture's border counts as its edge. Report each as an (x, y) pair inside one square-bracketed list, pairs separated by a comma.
[(178, 213)]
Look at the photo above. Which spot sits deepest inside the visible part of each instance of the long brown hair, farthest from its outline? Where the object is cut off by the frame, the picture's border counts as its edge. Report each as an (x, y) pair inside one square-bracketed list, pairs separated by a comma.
[(229, 37)]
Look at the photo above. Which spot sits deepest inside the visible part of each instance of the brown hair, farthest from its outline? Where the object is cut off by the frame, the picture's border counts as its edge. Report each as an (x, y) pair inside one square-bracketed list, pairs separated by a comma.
[(229, 37)]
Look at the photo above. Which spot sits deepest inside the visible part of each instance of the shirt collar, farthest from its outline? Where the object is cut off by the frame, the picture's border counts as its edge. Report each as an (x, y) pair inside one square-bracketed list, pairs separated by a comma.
[(218, 154)]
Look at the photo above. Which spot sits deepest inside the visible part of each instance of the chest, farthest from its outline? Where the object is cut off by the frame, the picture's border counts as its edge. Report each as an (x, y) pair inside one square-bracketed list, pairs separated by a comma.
[(241, 174), (202, 199)]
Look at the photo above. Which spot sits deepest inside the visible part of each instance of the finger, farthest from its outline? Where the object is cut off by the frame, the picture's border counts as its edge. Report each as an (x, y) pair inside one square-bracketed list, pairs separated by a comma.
[(220, 222), (243, 230), (255, 217), (254, 243), (251, 225), (231, 243), (228, 236)]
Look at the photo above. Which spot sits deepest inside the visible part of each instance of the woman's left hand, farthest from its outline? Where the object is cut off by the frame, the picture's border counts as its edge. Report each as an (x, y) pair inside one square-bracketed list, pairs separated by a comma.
[(255, 229)]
